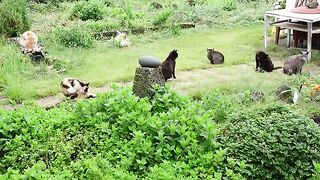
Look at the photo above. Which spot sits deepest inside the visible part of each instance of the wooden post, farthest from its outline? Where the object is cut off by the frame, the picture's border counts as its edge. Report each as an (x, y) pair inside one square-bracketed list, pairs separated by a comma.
[(266, 26)]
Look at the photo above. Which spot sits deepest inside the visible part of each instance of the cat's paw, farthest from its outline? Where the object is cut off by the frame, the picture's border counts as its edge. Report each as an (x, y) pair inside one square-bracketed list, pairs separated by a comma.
[(91, 96)]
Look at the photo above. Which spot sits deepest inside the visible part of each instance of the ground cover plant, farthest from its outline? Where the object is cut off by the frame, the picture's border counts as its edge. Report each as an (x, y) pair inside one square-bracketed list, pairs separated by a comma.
[(139, 138), (273, 139), (171, 136)]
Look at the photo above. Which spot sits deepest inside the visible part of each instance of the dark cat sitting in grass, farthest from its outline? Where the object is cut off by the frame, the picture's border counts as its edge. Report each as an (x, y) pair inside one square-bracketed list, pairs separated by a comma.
[(169, 65), (215, 57), (263, 61)]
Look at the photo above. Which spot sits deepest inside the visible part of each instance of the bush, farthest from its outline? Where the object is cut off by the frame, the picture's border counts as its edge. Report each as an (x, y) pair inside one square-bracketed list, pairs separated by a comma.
[(115, 135), (75, 37), (86, 10), (276, 141), (162, 17), (13, 17), (230, 5)]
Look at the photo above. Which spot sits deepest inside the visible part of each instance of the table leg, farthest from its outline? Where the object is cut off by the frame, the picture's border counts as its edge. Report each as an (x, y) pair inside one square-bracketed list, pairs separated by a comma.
[(266, 26), (309, 40), (288, 37)]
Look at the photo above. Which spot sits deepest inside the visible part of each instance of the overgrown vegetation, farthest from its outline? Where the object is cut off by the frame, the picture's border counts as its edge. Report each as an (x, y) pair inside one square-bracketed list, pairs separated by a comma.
[(121, 136), (273, 140), (14, 18), (88, 10), (75, 37)]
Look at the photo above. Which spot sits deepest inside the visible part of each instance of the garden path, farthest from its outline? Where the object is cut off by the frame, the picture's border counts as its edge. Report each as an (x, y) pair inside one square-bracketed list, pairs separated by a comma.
[(191, 81)]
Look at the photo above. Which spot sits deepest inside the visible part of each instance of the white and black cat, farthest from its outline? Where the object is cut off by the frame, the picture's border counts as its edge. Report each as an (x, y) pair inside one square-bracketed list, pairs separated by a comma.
[(74, 88)]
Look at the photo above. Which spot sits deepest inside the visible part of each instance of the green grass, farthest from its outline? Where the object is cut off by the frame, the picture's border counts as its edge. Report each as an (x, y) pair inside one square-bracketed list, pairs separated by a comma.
[(103, 65), (106, 63)]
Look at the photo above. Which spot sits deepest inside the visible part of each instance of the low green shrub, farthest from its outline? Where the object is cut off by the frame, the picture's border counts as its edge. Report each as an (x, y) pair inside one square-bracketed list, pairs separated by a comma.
[(276, 141), (230, 5), (162, 17), (13, 17), (99, 26), (221, 105), (75, 37), (115, 135), (86, 10)]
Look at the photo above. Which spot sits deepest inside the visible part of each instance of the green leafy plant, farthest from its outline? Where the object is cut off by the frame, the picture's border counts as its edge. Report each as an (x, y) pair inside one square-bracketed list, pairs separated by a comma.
[(75, 37), (162, 17), (230, 5), (116, 135), (88, 10), (275, 141), (13, 17)]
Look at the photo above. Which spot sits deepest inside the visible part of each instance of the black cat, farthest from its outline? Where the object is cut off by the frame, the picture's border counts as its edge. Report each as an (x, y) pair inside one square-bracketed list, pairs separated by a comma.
[(263, 61), (169, 65)]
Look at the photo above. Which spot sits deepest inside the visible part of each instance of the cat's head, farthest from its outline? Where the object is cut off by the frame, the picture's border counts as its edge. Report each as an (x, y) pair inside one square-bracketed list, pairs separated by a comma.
[(260, 55), (174, 54), (304, 56), (85, 86)]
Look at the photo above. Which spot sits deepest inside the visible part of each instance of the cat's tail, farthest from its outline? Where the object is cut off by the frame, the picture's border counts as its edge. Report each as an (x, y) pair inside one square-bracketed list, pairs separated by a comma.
[(275, 68)]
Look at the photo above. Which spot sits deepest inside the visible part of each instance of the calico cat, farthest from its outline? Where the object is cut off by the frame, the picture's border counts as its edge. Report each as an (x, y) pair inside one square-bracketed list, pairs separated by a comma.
[(215, 57), (169, 65), (75, 88), (122, 39), (28, 42), (294, 64), (263, 61)]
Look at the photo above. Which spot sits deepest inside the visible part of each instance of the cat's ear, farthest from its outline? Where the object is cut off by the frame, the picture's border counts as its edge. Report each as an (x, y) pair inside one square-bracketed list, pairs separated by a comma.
[(87, 84)]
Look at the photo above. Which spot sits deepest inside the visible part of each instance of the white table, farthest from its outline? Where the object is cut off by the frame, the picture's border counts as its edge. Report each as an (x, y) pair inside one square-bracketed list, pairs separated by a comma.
[(309, 19)]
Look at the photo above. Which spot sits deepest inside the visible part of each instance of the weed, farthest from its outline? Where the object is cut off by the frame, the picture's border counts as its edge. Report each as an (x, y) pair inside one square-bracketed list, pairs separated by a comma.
[(162, 17), (13, 17), (88, 10), (75, 37)]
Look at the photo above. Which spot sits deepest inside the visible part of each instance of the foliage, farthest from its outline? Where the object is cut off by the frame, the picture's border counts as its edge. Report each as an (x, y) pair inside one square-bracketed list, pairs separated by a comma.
[(15, 69), (316, 175), (229, 5), (162, 17), (221, 105), (75, 37), (13, 17), (308, 85), (115, 135), (276, 141), (98, 26), (86, 10)]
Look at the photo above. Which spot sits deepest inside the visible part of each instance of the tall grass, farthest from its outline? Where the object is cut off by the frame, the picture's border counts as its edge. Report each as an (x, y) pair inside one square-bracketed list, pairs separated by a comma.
[(15, 72)]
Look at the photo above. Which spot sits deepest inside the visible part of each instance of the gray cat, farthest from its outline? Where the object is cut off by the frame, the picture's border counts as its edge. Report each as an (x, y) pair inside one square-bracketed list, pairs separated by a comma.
[(215, 57), (293, 65)]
